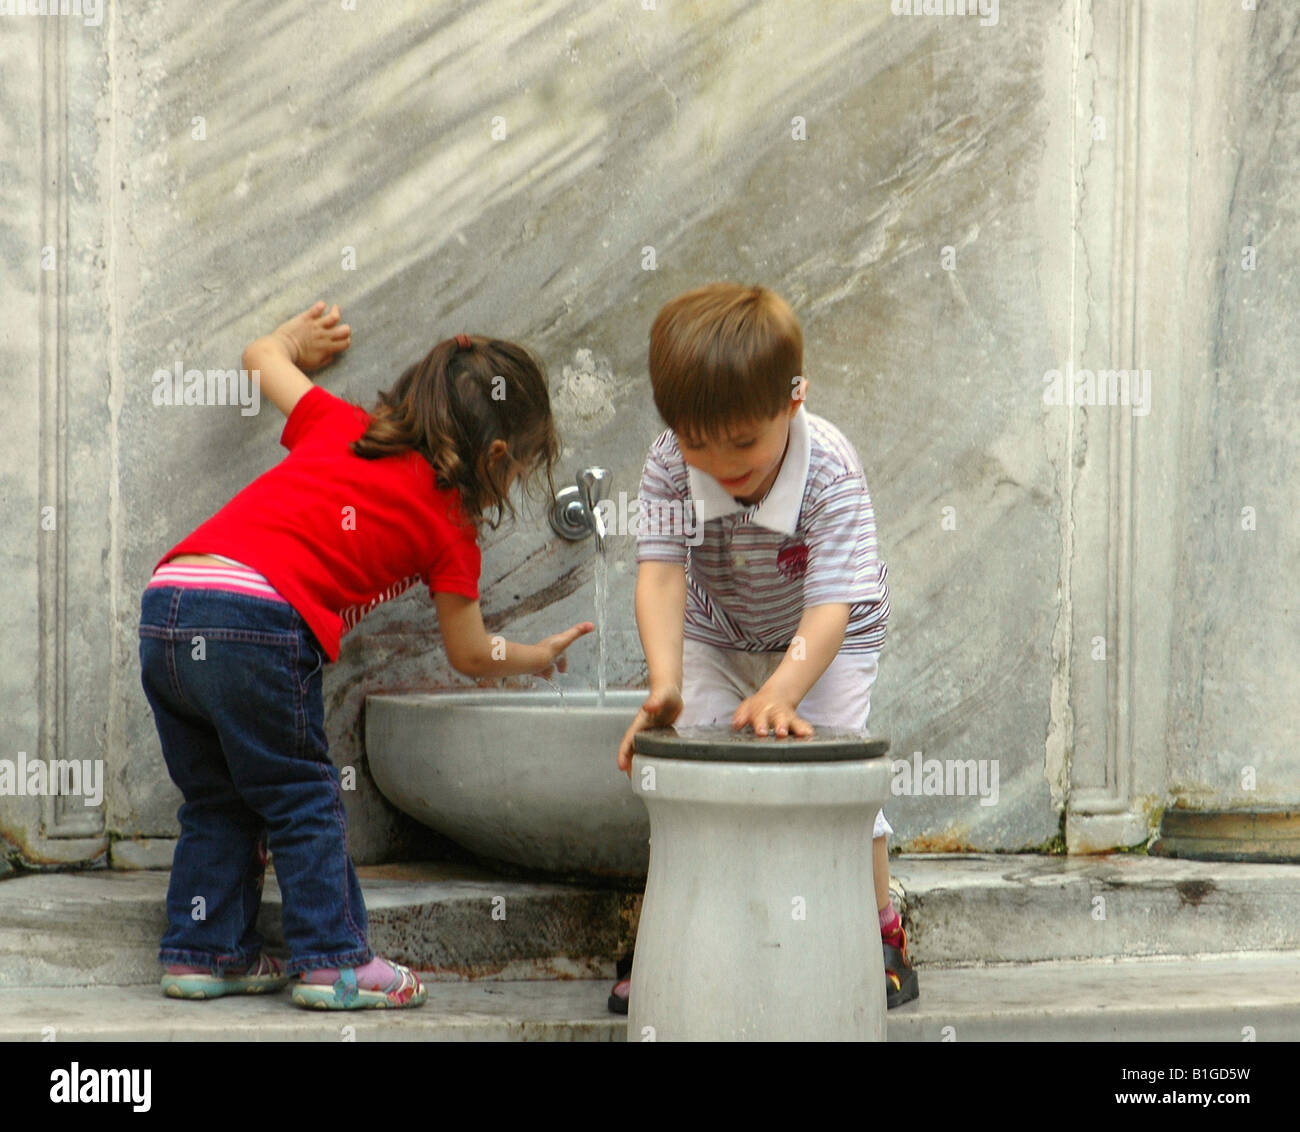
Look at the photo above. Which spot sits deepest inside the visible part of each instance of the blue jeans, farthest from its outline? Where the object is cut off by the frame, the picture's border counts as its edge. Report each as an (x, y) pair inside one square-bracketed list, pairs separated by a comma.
[(235, 687)]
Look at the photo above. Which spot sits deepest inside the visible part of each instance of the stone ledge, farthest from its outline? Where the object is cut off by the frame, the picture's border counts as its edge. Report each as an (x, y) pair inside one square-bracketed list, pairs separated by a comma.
[(992, 908), (103, 927), (142, 853), (1169, 1000), (482, 1011)]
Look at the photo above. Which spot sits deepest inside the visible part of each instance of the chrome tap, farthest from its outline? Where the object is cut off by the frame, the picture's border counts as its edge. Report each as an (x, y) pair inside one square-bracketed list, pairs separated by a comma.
[(576, 511)]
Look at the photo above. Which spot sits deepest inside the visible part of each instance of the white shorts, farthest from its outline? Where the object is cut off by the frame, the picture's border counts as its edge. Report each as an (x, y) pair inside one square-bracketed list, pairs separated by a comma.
[(715, 680)]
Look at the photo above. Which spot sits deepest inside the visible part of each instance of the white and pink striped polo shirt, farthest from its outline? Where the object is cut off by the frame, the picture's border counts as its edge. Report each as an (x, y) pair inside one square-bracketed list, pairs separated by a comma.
[(752, 570)]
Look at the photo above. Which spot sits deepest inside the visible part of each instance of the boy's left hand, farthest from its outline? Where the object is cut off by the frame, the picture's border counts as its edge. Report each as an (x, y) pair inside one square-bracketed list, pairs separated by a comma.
[(765, 713)]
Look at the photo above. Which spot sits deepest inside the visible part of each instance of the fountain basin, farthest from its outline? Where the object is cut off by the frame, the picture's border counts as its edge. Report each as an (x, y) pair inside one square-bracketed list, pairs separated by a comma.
[(516, 777)]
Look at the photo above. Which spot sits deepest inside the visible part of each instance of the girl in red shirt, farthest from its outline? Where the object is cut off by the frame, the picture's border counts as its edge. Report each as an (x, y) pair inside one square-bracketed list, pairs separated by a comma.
[(240, 618)]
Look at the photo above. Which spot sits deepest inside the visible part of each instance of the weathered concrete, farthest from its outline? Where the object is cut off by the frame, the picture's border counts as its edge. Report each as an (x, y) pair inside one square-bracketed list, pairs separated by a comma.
[(1206, 999), (142, 853), (562, 1011), (954, 210), (75, 929), (1234, 663), (103, 927), (1164, 1000), (453, 922), (991, 909)]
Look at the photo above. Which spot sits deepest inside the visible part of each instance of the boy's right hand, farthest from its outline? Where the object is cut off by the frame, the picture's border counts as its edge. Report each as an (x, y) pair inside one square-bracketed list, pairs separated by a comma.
[(661, 709)]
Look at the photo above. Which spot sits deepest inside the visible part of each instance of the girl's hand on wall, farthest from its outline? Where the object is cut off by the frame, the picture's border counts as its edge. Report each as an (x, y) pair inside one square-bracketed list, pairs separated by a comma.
[(315, 337)]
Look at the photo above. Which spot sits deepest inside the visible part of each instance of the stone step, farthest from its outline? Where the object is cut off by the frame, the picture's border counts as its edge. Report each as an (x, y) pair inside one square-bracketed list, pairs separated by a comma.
[(483, 1010), (994, 908), (103, 927), (1246, 996), (451, 921), (1217, 999)]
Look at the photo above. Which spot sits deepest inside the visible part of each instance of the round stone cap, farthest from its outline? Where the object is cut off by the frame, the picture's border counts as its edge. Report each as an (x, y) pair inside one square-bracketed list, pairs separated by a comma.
[(719, 743)]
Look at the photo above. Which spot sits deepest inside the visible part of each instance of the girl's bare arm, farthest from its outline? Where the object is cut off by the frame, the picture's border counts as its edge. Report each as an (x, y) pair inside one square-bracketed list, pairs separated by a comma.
[(472, 652), (306, 342)]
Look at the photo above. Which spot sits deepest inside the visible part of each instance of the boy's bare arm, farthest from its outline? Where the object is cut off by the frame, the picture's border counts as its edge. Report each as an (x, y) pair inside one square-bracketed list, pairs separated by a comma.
[(306, 342), (660, 616)]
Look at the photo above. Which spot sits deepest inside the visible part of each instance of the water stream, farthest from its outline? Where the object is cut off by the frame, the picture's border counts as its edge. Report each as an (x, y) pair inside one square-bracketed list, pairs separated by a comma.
[(602, 616), (559, 691), (602, 601)]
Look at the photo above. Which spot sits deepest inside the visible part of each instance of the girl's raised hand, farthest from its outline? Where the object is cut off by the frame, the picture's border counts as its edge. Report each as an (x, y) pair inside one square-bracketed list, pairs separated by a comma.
[(314, 337)]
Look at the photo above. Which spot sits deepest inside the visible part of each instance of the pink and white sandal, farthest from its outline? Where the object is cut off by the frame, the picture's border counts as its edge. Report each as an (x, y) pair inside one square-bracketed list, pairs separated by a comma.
[(344, 994), (263, 977)]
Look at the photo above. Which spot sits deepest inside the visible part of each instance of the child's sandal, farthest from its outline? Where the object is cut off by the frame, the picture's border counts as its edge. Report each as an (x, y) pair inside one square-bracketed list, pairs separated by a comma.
[(622, 991), (619, 996), (901, 984), (263, 977), (405, 990)]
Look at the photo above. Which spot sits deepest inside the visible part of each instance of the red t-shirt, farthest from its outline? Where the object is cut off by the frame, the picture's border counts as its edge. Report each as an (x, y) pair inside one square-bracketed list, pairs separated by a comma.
[(336, 534)]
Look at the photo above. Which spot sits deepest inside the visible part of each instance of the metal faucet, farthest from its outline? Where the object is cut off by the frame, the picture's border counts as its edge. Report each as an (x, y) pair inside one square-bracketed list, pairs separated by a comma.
[(575, 513)]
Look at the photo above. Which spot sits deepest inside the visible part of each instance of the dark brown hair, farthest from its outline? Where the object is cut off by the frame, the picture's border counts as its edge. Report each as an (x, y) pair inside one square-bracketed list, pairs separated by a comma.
[(450, 406), (723, 355)]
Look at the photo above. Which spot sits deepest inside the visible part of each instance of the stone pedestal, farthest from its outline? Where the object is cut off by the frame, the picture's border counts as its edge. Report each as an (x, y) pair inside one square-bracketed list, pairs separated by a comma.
[(759, 921)]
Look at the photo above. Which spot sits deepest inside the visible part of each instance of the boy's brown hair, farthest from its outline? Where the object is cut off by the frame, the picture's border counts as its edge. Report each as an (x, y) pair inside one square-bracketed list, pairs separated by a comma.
[(721, 356), (443, 408)]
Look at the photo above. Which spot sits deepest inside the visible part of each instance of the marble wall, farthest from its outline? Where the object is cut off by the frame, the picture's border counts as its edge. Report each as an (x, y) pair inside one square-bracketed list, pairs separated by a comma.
[(1235, 710), (954, 205)]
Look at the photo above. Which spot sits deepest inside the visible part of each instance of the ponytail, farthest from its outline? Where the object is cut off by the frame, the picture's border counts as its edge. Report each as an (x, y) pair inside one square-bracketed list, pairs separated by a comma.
[(450, 406)]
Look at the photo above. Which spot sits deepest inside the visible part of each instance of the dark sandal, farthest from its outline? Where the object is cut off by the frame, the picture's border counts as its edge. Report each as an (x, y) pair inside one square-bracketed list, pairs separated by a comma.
[(901, 983), (900, 976), (617, 1001)]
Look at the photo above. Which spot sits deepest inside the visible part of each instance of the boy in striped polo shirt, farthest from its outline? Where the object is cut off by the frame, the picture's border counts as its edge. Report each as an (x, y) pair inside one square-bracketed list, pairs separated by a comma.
[(777, 611)]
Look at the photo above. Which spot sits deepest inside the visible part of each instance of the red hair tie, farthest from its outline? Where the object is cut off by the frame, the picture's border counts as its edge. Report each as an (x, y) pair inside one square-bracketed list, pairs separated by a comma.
[(462, 340)]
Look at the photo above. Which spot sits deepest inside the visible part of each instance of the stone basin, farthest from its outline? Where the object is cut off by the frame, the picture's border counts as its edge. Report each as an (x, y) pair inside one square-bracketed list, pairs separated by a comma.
[(523, 778)]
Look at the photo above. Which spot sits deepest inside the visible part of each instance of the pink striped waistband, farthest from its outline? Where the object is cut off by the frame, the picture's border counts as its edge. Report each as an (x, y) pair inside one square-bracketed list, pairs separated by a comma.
[(235, 578)]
